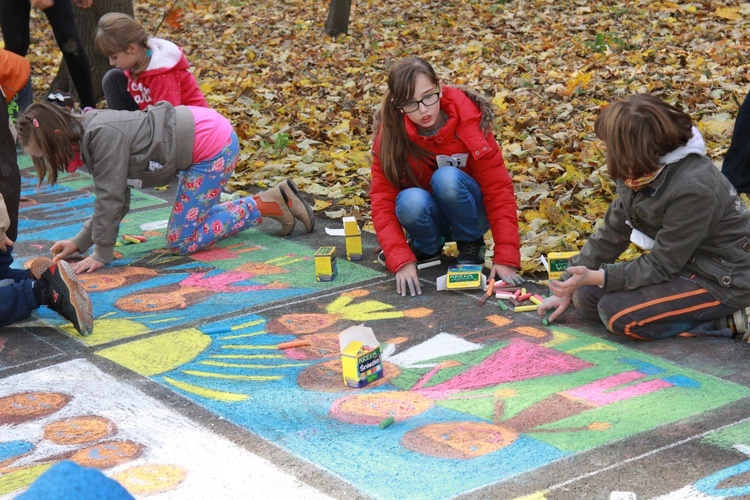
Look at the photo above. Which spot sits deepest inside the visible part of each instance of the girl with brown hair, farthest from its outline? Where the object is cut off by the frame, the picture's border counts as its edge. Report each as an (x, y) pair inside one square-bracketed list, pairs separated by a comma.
[(124, 149), (438, 174), (694, 275)]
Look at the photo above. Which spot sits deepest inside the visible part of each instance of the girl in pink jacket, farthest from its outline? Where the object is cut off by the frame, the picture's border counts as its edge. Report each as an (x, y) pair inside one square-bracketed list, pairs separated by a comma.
[(147, 70)]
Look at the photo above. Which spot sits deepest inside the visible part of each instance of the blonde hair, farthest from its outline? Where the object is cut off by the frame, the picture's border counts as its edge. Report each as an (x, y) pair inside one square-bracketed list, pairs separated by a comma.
[(638, 130), (116, 32), (55, 132), (396, 149)]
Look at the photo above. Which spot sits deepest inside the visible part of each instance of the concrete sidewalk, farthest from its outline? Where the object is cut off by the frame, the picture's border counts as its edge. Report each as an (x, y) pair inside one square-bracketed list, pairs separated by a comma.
[(182, 393)]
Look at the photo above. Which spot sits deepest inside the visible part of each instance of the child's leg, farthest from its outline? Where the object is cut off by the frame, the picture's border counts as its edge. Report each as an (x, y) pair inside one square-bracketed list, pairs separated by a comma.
[(115, 88), (426, 225), (460, 199), (16, 302), (663, 310), (198, 220)]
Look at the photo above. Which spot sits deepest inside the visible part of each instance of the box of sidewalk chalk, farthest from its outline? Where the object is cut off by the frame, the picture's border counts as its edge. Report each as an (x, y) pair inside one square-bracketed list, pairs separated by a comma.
[(360, 356), (558, 263), (353, 237), (462, 277), (325, 264)]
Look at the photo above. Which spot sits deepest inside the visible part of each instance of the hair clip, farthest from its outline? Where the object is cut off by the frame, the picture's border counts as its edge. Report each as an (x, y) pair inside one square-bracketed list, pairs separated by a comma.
[(35, 122), (149, 53)]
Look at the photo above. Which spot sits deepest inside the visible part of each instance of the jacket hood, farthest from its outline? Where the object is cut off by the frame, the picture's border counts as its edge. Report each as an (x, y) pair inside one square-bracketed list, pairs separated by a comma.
[(695, 145), (165, 56)]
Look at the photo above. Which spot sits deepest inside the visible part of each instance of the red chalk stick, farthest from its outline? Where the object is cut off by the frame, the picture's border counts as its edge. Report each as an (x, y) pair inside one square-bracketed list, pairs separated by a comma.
[(293, 343), (525, 296)]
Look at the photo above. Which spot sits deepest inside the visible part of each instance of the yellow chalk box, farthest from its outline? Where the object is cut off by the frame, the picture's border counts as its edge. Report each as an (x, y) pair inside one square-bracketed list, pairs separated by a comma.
[(360, 356), (325, 264), (460, 277), (558, 263), (353, 238)]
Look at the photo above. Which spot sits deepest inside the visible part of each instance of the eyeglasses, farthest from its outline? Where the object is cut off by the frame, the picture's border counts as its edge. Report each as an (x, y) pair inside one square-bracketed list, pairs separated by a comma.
[(428, 100)]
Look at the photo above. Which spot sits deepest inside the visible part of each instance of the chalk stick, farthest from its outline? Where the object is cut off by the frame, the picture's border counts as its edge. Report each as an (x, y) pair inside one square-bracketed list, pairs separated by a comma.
[(217, 329), (513, 301), (546, 320), (523, 296), (385, 423), (539, 297), (523, 291), (519, 309), (132, 239), (502, 305), (425, 265), (293, 343), (535, 300), (503, 295)]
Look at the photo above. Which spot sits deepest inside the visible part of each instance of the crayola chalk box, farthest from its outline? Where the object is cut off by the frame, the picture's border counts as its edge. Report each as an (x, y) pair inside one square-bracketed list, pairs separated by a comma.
[(353, 237), (462, 277), (360, 356), (325, 264), (558, 263)]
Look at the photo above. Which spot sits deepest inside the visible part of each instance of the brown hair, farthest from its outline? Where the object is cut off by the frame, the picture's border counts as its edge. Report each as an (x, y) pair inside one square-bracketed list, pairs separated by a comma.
[(55, 132), (116, 31), (638, 130), (395, 147)]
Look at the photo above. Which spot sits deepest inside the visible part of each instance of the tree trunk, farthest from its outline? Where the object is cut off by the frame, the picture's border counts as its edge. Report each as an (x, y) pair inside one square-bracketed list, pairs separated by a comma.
[(338, 17), (86, 20)]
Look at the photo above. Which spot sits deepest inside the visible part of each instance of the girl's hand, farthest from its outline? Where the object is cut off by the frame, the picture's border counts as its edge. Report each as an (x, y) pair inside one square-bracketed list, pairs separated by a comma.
[(579, 276), (87, 265), (7, 242), (63, 249), (406, 277), (559, 304), (506, 273), (42, 4)]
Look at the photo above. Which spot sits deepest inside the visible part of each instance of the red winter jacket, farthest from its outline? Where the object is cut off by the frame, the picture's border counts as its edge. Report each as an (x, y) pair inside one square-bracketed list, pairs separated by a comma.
[(462, 133), (166, 78)]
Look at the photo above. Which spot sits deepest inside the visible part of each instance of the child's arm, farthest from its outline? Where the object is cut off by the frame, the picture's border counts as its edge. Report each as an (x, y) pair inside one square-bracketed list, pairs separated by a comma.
[(4, 224)]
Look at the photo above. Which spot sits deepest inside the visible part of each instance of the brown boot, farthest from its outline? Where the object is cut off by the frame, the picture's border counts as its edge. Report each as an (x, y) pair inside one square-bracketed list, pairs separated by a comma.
[(299, 207), (276, 196)]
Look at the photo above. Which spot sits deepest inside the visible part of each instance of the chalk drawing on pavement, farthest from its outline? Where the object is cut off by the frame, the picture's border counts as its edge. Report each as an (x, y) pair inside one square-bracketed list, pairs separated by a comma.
[(472, 407)]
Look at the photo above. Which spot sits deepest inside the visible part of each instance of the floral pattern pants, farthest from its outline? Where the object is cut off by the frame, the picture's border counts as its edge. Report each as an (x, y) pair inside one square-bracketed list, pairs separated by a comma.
[(198, 218)]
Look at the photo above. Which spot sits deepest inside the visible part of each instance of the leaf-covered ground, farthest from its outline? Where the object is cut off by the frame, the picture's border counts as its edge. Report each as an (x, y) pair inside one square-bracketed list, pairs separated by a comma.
[(302, 102)]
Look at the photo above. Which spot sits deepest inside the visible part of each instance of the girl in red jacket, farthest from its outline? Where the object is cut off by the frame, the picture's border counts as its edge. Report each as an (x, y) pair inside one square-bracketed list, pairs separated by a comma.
[(147, 70), (439, 175)]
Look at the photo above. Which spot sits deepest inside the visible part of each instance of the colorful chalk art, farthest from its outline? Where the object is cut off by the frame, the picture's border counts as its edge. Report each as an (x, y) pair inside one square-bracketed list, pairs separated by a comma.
[(473, 405)]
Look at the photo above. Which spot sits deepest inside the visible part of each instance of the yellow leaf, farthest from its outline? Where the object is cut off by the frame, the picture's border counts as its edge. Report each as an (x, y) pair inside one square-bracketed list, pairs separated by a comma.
[(730, 13), (321, 205)]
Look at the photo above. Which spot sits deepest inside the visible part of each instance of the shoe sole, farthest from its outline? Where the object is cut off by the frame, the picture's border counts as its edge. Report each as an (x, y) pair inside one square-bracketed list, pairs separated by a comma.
[(293, 188), (79, 299), (38, 266)]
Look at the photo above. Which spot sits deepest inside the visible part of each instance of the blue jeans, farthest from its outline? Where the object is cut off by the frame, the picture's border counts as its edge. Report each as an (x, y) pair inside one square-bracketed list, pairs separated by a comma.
[(736, 166), (452, 212), (655, 311), (16, 298)]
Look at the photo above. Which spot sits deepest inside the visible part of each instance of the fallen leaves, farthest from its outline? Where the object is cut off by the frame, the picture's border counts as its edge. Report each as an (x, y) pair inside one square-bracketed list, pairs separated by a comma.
[(302, 102)]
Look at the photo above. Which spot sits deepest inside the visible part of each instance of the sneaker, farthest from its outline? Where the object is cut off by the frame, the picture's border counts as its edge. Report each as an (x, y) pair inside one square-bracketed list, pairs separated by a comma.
[(66, 297), (739, 324), (62, 99), (423, 260), (471, 252), (38, 266)]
